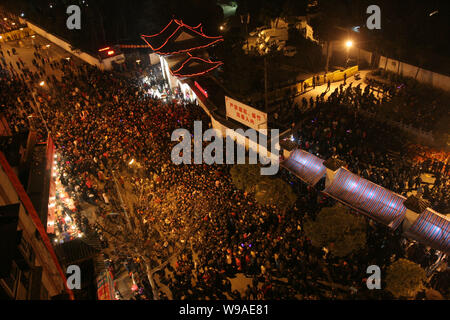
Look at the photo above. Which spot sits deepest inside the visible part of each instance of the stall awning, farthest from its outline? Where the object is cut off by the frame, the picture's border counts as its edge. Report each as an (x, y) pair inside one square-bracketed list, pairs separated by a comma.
[(305, 166), (368, 198), (432, 229)]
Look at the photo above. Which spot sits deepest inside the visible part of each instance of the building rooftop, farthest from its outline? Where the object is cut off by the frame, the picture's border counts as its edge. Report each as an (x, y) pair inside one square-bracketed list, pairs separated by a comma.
[(178, 37)]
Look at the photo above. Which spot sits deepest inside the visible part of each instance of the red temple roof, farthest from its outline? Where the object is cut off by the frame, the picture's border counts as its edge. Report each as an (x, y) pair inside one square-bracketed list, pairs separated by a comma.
[(193, 66), (178, 37)]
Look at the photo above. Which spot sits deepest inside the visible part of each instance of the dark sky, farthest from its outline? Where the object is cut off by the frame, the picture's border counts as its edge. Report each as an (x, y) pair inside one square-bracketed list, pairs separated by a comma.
[(408, 31)]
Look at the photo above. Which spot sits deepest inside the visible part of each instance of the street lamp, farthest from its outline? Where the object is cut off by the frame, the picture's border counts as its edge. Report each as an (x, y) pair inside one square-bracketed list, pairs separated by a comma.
[(348, 45)]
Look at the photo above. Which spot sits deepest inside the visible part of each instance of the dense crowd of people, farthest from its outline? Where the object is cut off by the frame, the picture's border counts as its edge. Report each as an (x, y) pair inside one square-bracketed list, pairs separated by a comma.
[(410, 102), (8, 22), (111, 133), (404, 101), (373, 150)]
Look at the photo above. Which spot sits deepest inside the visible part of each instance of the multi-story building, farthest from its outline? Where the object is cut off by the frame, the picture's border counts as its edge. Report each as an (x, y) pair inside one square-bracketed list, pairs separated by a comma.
[(29, 267)]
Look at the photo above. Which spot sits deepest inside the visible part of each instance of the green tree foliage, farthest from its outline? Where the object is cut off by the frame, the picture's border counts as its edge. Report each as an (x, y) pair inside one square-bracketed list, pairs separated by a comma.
[(275, 192), (309, 54), (294, 8), (404, 279), (243, 73), (342, 233), (267, 190), (245, 176)]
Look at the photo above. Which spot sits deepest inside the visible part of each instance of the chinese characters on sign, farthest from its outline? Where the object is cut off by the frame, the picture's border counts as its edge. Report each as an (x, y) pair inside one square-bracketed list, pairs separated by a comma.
[(245, 114)]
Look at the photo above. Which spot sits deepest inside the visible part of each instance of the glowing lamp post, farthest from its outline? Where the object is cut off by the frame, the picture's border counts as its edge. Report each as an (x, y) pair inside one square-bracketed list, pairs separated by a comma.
[(348, 45)]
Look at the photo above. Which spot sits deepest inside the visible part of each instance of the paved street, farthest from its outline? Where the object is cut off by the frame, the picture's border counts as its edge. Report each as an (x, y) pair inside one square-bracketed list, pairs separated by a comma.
[(25, 50), (320, 89)]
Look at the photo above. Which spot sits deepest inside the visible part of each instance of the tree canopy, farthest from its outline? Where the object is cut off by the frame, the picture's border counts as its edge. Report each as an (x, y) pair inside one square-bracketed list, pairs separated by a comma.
[(404, 279), (267, 190), (342, 233), (245, 176), (275, 192)]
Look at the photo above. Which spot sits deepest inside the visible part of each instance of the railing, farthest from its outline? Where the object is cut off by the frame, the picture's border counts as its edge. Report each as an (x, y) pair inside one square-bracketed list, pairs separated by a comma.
[(18, 34)]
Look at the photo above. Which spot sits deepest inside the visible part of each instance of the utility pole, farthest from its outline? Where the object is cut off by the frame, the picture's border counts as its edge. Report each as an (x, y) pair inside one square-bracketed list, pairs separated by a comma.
[(121, 201), (246, 29), (38, 106), (247, 21), (266, 102), (329, 44)]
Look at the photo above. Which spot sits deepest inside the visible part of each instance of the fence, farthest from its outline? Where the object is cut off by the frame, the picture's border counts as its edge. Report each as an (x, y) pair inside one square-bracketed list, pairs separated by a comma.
[(423, 137), (422, 75), (105, 64), (14, 35), (295, 89), (337, 75)]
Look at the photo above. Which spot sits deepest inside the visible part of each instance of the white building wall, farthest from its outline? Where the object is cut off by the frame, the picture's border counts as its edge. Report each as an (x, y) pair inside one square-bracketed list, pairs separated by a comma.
[(103, 65), (425, 76)]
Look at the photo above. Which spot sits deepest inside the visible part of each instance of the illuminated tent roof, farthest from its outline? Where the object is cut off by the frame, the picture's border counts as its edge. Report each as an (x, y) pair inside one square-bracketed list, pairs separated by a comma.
[(193, 66), (368, 198), (431, 229), (178, 37), (305, 166)]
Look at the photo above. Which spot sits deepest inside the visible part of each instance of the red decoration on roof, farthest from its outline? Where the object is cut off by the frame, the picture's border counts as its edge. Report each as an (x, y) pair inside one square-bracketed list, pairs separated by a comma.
[(195, 66), (164, 42)]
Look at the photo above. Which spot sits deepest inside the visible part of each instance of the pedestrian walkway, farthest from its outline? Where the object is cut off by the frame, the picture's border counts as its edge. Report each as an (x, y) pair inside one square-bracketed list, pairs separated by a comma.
[(318, 90), (25, 49)]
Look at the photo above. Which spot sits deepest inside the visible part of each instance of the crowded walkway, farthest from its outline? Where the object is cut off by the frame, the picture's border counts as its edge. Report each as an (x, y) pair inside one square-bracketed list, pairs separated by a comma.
[(112, 135)]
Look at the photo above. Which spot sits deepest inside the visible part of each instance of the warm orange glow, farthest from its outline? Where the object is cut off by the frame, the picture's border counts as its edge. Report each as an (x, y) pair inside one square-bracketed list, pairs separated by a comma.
[(110, 53), (104, 49)]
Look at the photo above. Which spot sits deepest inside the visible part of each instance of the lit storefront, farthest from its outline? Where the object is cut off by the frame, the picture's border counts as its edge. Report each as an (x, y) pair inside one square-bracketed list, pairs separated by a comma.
[(182, 56), (61, 210)]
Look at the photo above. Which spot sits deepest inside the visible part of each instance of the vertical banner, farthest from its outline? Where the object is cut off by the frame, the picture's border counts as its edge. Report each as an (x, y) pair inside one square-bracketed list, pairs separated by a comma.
[(245, 114), (105, 286)]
